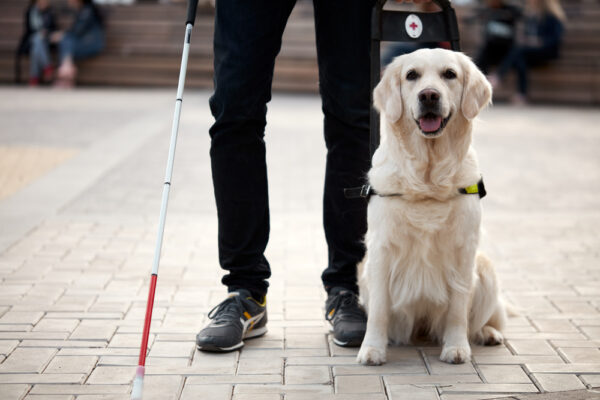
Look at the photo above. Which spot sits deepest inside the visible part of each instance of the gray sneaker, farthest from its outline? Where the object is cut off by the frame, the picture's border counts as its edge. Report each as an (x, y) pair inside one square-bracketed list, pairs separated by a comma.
[(236, 318), (347, 317)]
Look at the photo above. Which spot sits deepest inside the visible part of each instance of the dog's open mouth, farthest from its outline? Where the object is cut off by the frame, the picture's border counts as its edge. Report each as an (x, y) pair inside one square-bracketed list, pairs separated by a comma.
[(431, 123)]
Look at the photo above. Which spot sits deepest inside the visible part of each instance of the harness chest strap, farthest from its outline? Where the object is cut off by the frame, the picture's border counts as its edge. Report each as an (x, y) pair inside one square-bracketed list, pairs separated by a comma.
[(366, 191)]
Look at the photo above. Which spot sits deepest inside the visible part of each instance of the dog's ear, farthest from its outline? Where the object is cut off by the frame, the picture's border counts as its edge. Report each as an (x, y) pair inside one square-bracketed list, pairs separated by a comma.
[(477, 91), (386, 96)]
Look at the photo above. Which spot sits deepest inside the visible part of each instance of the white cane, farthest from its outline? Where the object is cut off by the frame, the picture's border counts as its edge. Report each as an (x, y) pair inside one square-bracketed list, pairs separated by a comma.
[(138, 382)]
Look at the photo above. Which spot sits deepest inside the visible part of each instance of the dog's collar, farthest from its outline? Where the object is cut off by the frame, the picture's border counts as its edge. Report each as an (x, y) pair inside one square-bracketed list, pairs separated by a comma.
[(366, 191)]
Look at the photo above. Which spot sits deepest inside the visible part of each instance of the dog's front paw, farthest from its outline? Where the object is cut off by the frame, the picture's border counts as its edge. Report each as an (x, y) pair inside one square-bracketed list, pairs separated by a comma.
[(456, 354), (369, 355)]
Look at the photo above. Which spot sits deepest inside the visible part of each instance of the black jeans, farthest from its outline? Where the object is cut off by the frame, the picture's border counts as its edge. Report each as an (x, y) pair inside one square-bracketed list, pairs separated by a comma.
[(247, 40)]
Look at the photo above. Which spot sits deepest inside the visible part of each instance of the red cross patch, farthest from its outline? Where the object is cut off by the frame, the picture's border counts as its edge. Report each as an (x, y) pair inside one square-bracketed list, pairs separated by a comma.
[(414, 26)]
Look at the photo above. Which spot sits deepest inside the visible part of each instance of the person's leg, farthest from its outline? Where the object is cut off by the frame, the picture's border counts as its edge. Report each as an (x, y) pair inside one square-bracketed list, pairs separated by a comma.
[(510, 61), (246, 42), (65, 47), (88, 46), (343, 45), (66, 70), (38, 55), (530, 57)]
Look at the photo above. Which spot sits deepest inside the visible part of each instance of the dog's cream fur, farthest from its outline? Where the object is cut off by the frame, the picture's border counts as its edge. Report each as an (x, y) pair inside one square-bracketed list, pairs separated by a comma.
[(422, 273)]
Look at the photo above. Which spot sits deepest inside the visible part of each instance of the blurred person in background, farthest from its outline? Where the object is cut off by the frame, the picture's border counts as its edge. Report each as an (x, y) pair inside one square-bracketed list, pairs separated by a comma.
[(84, 39), (40, 24), (499, 30), (543, 31)]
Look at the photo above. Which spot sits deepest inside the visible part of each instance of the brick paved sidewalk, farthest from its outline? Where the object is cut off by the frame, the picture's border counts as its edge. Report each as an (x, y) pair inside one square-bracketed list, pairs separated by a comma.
[(76, 245)]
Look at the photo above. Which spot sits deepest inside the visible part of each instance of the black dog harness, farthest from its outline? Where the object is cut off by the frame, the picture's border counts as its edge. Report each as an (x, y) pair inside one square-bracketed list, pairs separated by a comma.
[(365, 191)]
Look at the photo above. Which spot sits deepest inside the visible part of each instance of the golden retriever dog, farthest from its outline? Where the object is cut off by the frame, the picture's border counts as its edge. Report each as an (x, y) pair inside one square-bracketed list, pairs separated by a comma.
[(422, 273)]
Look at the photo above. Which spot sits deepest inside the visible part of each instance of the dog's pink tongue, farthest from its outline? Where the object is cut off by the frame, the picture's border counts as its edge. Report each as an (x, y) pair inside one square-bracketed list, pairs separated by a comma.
[(430, 124)]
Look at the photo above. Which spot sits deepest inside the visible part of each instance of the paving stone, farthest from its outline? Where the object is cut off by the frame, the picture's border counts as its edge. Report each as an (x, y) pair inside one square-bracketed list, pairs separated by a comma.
[(172, 349), (111, 375), (358, 384), (16, 328), (581, 355), (93, 331), (27, 360), (591, 380), (430, 380), (398, 392), (128, 340), (21, 317), (216, 392), (490, 388), (269, 353), (499, 350), (220, 359), (61, 344), (132, 361), (554, 325), (41, 378), (320, 361), (337, 396), (288, 389), (308, 341), (34, 335), (43, 389), (504, 374), (14, 392), (295, 375), (84, 315), (7, 346), (396, 367), (531, 347), (518, 359), (593, 332), (49, 397), (439, 367), (204, 379), (71, 365), (478, 396), (199, 369), (260, 396), (260, 366), (564, 368), (99, 351), (559, 382), (162, 387)]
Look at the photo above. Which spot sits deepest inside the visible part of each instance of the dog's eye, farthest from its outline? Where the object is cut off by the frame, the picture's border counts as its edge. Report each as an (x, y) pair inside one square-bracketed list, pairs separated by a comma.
[(412, 75), (449, 74)]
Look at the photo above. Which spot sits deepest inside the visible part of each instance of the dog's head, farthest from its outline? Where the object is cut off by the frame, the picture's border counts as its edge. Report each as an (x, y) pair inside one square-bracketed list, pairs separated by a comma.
[(429, 88)]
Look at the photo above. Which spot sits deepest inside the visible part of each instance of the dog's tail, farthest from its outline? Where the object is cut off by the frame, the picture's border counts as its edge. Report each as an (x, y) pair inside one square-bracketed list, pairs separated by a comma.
[(511, 309), (486, 304)]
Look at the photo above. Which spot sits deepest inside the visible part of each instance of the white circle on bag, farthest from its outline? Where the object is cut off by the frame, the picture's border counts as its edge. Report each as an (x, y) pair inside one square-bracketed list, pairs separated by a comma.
[(414, 26)]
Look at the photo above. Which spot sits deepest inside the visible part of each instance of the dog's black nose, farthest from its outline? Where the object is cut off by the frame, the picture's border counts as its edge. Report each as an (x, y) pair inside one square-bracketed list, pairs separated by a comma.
[(429, 97)]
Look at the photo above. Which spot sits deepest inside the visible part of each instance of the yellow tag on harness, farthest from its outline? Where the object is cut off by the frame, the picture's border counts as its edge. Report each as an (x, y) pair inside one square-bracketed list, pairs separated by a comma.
[(472, 189)]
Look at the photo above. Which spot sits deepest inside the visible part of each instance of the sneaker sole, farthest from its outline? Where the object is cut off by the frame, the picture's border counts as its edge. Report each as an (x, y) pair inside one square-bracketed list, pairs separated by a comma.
[(351, 343), (248, 335)]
